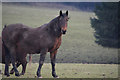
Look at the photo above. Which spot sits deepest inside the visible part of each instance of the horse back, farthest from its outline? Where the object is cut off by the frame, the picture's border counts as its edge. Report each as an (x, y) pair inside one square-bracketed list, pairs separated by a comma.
[(13, 33)]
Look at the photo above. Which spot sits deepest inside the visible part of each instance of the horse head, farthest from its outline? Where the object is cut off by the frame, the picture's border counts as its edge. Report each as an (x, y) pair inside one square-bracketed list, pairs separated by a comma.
[(63, 19)]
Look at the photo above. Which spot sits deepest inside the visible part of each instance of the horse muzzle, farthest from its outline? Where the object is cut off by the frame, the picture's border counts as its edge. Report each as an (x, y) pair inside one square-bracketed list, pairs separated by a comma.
[(63, 31)]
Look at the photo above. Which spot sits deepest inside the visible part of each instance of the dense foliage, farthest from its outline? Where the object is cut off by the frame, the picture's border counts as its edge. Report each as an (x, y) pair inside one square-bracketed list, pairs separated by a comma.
[(106, 25)]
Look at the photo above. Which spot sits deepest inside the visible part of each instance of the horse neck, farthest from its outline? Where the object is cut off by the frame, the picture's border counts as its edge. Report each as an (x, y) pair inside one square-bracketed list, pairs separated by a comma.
[(52, 26)]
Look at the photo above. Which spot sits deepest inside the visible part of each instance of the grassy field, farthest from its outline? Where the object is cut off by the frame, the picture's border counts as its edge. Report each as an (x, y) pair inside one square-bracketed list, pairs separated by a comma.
[(71, 70), (77, 47)]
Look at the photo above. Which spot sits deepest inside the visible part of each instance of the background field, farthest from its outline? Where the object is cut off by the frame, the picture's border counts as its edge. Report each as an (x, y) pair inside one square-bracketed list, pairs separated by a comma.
[(77, 47)]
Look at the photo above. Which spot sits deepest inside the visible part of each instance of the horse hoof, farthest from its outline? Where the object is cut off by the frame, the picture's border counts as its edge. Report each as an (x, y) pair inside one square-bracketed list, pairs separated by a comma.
[(7, 74), (17, 74), (56, 77), (11, 72), (40, 77)]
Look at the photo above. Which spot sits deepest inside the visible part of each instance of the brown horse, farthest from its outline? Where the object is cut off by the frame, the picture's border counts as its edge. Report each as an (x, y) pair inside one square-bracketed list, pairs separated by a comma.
[(2, 56), (20, 40)]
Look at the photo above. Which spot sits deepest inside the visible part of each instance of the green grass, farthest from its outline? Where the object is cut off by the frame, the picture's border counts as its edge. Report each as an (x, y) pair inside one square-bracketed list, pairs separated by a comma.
[(71, 70)]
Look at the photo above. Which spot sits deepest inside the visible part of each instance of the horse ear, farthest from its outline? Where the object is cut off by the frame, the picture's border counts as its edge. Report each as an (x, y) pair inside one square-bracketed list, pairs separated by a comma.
[(67, 12), (60, 12)]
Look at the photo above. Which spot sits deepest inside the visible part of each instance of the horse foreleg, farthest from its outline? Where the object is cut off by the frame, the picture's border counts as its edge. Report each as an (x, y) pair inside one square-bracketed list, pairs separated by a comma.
[(41, 61), (53, 58)]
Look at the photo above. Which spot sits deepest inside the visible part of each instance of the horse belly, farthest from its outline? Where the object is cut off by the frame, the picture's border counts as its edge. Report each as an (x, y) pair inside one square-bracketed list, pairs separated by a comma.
[(26, 49)]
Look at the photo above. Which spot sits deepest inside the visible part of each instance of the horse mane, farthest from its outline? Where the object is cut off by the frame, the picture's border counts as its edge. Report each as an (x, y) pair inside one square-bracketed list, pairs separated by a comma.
[(54, 27)]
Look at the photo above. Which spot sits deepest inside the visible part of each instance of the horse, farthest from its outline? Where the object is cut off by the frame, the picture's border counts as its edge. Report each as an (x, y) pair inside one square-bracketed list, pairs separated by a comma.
[(20, 40), (2, 56)]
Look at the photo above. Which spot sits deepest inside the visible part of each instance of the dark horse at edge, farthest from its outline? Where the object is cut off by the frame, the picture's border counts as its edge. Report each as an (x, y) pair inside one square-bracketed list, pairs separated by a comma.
[(2, 56), (19, 40)]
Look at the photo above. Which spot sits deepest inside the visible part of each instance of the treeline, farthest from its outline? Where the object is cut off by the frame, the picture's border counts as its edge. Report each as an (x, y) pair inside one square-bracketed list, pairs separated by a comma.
[(106, 25), (84, 6)]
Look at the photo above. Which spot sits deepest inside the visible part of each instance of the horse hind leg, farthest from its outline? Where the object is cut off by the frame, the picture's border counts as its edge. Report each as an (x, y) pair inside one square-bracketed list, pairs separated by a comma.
[(7, 62), (24, 63), (7, 59), (13, 59), (17, 65)]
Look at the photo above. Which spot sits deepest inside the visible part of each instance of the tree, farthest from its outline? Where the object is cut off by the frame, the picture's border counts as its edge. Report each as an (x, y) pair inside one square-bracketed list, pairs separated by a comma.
[(106, 25)]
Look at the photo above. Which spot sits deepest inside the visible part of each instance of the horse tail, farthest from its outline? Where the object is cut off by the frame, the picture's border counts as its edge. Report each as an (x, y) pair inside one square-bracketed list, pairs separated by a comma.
[(30, 59), (5, 51), (4, 26), (5, 47)]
